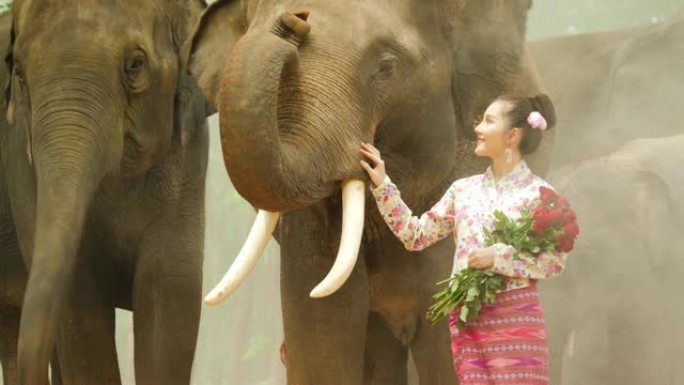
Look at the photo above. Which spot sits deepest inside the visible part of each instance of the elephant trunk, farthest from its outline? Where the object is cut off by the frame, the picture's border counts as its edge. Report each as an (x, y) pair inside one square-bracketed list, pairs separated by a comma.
[(260, 164), (276, 157), (71, 154)]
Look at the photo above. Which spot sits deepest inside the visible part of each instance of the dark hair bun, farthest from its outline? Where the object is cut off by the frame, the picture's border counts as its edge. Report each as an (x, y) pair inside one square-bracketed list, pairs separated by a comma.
[(543, 104), (521, 108)]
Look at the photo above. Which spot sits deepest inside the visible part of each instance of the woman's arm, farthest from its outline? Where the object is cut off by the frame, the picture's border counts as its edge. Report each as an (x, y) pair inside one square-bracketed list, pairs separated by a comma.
[(416, 233), (516, 264)]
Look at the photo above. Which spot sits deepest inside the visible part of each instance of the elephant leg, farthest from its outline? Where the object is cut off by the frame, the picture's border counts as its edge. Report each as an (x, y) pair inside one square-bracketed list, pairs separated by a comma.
[(431, 349), (86, 346), (167, 297), (325, 337), (9, 336), (56, 372), (386, 357), (13, 278)]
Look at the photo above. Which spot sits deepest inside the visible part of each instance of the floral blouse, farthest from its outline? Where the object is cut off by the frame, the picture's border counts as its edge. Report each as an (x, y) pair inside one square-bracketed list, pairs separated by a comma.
[(463, 211)]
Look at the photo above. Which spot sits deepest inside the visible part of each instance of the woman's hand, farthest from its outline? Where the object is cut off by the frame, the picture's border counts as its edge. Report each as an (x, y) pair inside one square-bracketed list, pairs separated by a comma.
[(377, 174), (482, 258)]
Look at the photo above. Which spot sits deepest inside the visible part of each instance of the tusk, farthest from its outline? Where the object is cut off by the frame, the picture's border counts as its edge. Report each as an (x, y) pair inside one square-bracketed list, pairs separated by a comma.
[(353, 213), (254, 246)]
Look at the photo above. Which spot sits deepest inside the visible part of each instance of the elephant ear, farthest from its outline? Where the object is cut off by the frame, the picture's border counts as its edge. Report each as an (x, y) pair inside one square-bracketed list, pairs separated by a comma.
[(490, 58), (487, 39), (210, 43)]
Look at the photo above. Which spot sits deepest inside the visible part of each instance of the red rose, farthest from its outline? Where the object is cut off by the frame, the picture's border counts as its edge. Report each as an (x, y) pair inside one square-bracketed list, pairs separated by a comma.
[(538, 228), (542, 219), (562, 202), (555, 216), (570, 216), (571, 228), (567, 245), (547, 195)]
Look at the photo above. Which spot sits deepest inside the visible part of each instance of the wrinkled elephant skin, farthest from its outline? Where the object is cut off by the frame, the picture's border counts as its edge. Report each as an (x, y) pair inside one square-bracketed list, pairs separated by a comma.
[(104, 151), (298, 86), (621, 86), (618, 306)]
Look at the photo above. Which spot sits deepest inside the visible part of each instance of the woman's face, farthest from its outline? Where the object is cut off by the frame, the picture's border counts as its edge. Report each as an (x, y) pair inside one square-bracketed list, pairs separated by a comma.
[(493, 134)]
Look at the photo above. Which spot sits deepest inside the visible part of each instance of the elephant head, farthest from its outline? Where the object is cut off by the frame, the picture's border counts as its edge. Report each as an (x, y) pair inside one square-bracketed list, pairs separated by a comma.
[(299, 85), (95, 93)]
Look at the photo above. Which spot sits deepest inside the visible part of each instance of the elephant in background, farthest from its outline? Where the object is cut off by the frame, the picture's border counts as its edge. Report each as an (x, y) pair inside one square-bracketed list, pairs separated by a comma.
[(613, 87), (622, 86), (615, 316), (103, 149), (299, 85)]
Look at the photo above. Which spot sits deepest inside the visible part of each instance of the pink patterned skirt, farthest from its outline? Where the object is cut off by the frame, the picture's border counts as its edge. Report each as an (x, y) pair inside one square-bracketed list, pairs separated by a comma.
[(506, 346)]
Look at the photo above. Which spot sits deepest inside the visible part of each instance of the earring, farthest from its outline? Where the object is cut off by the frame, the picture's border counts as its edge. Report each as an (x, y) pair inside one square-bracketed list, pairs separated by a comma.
[(509, 155)]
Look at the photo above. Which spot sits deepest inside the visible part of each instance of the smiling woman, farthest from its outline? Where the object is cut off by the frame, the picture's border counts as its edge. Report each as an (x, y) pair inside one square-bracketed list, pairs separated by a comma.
[(509, 340)]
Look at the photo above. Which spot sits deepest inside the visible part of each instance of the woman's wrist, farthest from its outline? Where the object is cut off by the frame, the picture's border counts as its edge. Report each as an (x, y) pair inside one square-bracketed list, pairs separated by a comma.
[(380, 183), (380, 189)]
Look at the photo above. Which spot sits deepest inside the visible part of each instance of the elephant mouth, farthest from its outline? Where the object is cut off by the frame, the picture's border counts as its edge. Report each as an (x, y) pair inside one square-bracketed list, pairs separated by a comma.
[(353, 213)]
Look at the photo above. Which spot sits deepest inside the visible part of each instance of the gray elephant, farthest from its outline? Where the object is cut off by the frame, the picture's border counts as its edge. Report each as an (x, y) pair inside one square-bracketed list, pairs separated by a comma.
[(621, 86), (299, 85), (614, 317), (104, 151)]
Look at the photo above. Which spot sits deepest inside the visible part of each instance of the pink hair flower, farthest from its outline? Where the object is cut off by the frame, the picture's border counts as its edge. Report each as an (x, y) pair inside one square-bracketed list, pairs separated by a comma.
[(537, 121)]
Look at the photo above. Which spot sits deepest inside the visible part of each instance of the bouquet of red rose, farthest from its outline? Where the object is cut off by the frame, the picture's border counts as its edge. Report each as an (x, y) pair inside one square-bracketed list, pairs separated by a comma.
[(550, 225)]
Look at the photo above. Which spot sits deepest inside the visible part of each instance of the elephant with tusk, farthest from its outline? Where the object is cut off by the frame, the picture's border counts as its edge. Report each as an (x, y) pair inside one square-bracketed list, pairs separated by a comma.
[(299, 85), (352, 231)]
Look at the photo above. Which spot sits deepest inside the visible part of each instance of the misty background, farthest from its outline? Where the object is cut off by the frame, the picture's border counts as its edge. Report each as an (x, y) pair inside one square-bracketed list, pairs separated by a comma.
[(239, 340)]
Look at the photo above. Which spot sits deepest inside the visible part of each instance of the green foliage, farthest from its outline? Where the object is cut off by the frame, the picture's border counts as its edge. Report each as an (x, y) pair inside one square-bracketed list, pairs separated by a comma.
[(471, 289), (566, 17), (259, 346), (517, 233), (5, 5)]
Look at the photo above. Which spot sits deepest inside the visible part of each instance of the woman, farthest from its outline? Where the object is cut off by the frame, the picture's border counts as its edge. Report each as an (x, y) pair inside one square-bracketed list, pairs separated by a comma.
[(507, 344)]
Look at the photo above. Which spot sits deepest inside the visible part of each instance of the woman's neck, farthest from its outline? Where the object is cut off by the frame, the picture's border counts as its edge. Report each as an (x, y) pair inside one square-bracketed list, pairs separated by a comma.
[(501, 168)]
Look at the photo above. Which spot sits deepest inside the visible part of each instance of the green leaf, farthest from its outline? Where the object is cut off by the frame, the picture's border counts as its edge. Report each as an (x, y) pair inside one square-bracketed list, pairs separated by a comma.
[(463, 317), (473, 292), (486, 232), (477, 306), (454, 284)]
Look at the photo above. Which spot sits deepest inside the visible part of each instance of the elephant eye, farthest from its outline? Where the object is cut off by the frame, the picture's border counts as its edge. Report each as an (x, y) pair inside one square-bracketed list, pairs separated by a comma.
[(135, 69), (387, 65), (134, 65)]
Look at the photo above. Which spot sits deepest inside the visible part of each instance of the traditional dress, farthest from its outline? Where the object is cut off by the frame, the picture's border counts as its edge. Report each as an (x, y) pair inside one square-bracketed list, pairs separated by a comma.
[(507, 344)]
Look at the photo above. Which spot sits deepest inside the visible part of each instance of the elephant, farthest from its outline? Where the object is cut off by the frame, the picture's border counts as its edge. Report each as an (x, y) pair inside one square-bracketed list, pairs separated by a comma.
[(622, 85), (614, 316), (299, 85), (104, 150)]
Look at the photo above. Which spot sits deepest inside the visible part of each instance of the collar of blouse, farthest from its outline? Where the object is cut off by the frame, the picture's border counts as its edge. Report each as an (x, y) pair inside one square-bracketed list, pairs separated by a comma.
[(519, 176)]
